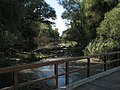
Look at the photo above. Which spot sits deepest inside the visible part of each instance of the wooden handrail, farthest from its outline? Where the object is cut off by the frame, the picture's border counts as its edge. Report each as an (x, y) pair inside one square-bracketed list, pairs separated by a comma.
[(35, 65), (16, 69), (59, 61)]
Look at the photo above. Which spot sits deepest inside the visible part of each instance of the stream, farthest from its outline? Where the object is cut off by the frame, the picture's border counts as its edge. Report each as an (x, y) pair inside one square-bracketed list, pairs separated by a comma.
[(47, 71)]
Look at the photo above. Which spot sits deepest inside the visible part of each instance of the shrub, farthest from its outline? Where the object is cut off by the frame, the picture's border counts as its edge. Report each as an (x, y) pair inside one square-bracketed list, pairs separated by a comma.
[(99, 46)]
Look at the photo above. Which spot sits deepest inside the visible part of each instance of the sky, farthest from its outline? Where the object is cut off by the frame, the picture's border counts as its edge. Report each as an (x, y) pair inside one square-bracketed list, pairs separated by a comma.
[(60, 23)]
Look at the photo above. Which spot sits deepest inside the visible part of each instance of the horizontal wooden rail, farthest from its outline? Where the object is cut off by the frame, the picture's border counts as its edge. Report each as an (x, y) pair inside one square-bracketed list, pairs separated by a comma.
[(16, 69), (59, 61), (116, 60)]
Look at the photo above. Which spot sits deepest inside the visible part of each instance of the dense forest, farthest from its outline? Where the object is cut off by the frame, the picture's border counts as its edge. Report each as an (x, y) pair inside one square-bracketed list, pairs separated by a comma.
[(26, 29), (93, 24), (25, 26)]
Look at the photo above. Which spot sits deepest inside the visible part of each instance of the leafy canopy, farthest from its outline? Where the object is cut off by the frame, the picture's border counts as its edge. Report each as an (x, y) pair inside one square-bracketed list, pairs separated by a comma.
[(19, 23), (84, 16), (108, 34)]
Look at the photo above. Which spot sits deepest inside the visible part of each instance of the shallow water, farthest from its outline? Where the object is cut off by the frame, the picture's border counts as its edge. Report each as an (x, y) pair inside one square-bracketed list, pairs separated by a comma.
[(47, 71)]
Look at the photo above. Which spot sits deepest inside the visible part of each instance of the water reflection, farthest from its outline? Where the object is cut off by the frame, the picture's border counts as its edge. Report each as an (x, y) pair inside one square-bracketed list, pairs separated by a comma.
[(47, 71)]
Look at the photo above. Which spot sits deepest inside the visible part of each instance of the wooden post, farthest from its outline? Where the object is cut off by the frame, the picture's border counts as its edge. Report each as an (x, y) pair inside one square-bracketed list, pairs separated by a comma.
[(88, 67), (56, 76), (105, 63), (67, 75), (15, 77), (118, 59)]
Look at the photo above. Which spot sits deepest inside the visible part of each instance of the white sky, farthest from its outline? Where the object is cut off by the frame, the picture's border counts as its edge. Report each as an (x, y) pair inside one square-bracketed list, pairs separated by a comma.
[(60, 23)]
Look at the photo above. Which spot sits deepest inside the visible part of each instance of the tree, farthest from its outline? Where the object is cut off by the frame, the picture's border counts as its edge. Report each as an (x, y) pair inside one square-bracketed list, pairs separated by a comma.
[(47, 35), (66, 36), (108, 34), (19, 23), (19, 26), (110, 24), (85, 16)]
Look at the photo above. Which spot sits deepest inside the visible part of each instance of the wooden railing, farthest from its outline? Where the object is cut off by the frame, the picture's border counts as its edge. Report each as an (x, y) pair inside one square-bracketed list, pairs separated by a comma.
[(16, 69)]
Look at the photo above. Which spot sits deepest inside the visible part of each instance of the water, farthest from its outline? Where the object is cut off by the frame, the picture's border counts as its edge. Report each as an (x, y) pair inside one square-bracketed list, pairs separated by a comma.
[(47, 71)]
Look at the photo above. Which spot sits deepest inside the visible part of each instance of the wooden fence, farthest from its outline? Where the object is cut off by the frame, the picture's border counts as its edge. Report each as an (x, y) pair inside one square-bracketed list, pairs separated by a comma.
[(15, 69)]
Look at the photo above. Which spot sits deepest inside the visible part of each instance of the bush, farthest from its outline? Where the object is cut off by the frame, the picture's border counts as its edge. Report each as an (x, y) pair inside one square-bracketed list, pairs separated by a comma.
[(31, 57), (108, 34), (99, 46)]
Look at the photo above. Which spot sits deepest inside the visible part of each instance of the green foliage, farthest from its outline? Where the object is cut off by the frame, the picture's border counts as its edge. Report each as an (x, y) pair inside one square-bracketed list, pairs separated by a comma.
[(110, 24), (84, 16), (19, 23), (46, 35), (108, 34), (69, 43), (99, 45), (31, 57), (66, 36)]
